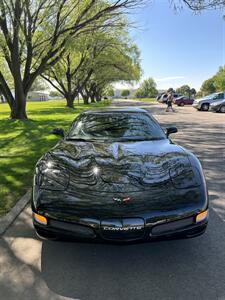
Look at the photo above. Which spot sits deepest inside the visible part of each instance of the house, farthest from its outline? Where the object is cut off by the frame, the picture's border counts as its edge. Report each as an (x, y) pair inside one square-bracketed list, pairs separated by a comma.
[(37, 96)]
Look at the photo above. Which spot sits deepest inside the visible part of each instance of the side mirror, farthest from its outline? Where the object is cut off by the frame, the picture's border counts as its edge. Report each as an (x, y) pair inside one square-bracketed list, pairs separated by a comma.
[(58, 131), (171, 130)]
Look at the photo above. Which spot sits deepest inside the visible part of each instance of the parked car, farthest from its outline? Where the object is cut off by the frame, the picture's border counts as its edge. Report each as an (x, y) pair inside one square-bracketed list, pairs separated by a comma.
[(163, 98), (116, 176), (204, 103), (181, 101), (159, 96), (218, 106)]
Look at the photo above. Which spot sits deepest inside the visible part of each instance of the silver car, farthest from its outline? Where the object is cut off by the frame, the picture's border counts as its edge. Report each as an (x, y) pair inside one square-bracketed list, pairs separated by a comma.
[(204, 103)]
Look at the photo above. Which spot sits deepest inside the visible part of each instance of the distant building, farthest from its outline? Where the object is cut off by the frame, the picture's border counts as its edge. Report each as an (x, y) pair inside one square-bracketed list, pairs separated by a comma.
[(32, 96), (37, 96)]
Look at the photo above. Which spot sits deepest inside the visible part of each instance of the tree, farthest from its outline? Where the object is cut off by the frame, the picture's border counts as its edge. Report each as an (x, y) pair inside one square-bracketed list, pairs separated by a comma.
[(125, 93), (147, 89), (108, 91), (208, 87), (69, 74), (119, 62), (219, 79), (198, 5), (214, 84), (38, 85), (204, 4), (199, 94), (93, 63), (55, 94), (193, 92), (186, 91), (183, 90), (34, 36)]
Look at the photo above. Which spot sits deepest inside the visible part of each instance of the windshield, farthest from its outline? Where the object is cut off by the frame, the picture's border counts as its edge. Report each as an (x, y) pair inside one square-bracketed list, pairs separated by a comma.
[(115, 126), (211, 96)]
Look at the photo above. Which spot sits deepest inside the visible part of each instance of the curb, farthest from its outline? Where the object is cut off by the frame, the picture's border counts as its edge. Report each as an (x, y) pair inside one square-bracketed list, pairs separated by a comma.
[(10, 217)]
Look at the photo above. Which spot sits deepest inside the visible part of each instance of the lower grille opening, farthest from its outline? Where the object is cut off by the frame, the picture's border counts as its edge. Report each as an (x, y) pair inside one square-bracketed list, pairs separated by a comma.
[(171, 226), (79, 230), (123, 229)]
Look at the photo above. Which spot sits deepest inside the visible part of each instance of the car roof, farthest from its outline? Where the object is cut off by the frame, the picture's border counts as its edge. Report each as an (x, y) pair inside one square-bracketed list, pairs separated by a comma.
[(115, 110)]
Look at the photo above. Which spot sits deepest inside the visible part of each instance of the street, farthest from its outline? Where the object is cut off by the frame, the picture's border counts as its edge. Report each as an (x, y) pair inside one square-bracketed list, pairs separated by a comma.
[(181, 269)]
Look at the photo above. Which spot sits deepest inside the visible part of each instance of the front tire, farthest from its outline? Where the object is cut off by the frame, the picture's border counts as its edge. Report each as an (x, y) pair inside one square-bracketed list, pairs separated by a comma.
[(205, 107), (182, 104)]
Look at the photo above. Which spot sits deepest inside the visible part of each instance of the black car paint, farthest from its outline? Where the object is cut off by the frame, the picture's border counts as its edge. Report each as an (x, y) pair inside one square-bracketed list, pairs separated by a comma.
[(164, 182)]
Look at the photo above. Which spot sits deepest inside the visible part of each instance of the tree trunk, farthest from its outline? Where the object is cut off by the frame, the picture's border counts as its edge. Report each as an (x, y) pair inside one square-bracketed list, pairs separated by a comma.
[(92, 98), (69, 101), (98, 96), (18, 110), (85, 98)]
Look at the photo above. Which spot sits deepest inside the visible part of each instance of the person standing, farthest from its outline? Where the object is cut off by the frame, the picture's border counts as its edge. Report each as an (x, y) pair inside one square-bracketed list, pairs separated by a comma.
[(170, 102)]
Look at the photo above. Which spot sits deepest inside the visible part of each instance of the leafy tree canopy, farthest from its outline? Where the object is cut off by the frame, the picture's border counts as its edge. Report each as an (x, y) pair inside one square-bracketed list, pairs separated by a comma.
[(125, 93), (147, 89), (93, 62), (39, 85), (186, 90), (34, 35), (219, 79), (198, 5)]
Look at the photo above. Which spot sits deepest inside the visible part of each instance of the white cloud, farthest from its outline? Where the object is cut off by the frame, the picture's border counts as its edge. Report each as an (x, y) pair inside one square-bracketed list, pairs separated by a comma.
[(169, 78)]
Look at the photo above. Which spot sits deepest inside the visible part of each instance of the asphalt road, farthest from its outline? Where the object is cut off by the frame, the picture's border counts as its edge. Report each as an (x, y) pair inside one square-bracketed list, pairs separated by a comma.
[(183, 269)]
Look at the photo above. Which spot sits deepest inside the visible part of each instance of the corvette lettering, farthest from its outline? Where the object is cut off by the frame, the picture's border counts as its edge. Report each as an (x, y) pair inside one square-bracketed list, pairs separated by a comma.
[(123, 228)]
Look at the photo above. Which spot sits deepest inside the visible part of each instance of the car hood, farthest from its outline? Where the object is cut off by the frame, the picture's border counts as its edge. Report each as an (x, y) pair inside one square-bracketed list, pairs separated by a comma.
[(203, 99), (119, 166), (156, 175)]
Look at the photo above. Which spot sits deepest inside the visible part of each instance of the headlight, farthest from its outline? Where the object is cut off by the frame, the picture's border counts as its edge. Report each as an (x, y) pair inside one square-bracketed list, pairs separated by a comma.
[(51, 176)]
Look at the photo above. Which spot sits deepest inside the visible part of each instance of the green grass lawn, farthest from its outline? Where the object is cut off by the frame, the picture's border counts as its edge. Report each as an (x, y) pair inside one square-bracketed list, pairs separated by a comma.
[(22, 143)]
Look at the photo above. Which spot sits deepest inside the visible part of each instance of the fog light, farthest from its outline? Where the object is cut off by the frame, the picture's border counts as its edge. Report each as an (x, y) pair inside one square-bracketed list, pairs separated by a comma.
[(202, 216), (40, 219)]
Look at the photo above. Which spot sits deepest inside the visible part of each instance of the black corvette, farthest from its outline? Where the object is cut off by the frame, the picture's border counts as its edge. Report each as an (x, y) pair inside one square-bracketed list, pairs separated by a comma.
[(116, 176)]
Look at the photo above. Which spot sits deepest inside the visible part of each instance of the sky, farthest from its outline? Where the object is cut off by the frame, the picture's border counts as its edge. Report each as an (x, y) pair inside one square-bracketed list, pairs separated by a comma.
[(178, 47)]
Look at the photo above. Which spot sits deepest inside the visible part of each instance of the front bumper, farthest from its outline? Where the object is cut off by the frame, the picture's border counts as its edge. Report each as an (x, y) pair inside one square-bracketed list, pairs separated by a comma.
[(196, 105), (93, 230)]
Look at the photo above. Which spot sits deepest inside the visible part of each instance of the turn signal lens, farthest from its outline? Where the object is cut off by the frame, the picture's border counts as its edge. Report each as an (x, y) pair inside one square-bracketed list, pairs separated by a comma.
[(40, 219), (202, 216)]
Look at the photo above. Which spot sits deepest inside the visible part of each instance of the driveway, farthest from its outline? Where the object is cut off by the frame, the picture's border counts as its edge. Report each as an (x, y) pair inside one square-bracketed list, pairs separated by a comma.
[(183, 269)]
